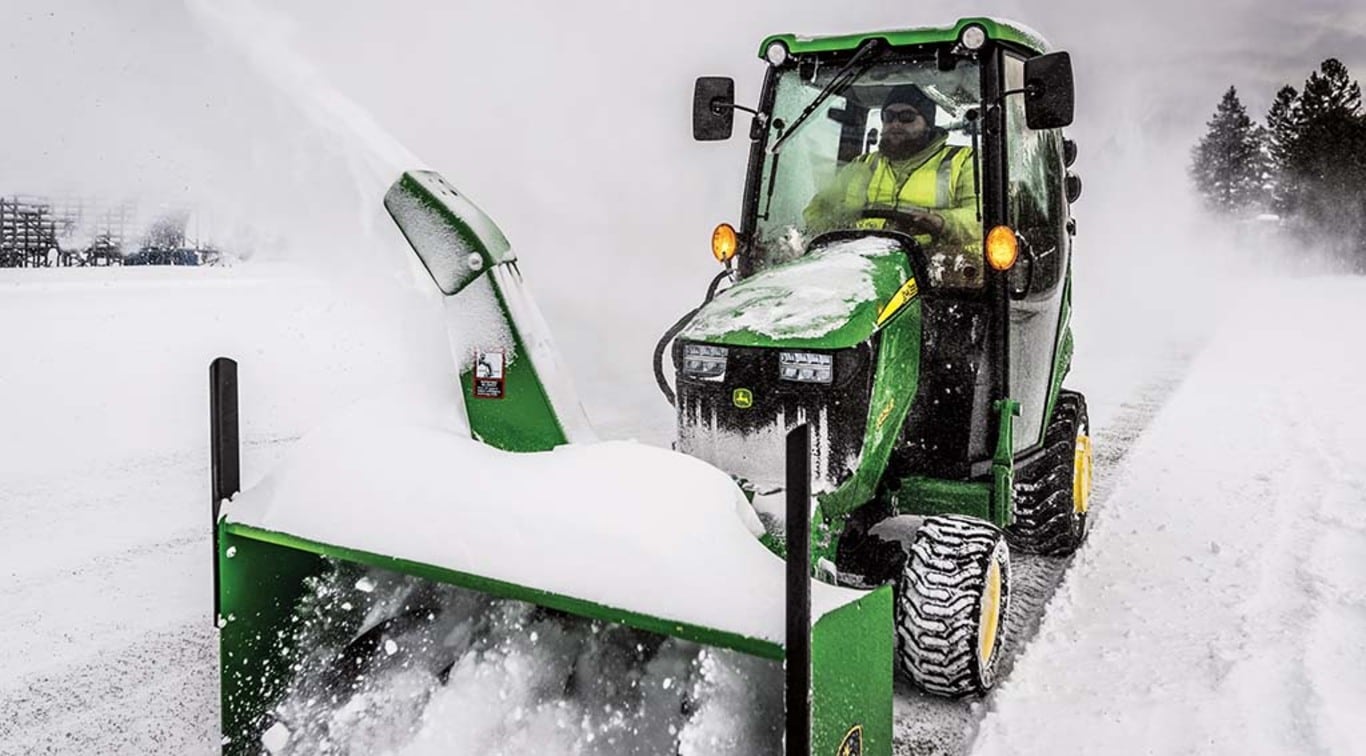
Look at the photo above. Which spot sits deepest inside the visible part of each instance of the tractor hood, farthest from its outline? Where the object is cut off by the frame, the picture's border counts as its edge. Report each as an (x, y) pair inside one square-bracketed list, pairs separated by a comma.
[(829, 298)]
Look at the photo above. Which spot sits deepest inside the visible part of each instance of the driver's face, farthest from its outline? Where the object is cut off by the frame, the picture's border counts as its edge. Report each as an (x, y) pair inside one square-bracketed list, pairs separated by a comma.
[(902, 123)]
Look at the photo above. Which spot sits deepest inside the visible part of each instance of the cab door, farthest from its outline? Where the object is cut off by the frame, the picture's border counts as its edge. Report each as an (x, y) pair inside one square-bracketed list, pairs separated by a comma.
[(1037, 210)]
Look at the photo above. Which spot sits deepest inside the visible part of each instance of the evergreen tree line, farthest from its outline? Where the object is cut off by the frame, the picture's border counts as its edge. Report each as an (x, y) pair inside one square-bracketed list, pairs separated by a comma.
[(1306, 164)]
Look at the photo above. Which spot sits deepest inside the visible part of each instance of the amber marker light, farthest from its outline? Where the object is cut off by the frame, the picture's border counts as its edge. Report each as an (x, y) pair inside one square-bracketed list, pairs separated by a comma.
[(723, 243), (1002, 247)]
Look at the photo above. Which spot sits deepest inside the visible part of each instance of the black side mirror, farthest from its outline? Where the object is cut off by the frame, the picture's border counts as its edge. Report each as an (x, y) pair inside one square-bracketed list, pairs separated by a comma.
[(1048, 91), (1069, 152), (713, 118), (1073, 187)]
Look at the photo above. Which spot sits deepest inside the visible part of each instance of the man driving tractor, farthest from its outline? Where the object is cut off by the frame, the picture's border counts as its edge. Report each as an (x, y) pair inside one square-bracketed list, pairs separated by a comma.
[(914, 182)]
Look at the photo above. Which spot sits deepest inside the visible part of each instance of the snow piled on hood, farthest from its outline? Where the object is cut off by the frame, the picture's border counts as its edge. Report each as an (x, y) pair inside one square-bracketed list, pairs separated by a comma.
[(805, 299)]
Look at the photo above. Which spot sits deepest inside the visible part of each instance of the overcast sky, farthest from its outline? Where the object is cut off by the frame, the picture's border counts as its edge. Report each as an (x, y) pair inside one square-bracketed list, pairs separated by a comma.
[(569, 122)]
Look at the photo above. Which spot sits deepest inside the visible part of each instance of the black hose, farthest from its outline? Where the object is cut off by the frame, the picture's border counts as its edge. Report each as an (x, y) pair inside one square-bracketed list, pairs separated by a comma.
[(674, 330)]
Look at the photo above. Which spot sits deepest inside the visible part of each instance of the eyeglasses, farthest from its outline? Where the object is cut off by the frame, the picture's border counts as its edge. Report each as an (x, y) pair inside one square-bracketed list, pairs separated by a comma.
[(905, 115)]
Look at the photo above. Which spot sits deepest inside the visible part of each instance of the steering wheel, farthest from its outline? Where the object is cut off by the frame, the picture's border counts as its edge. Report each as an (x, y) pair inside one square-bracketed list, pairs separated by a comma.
[(908, 219)]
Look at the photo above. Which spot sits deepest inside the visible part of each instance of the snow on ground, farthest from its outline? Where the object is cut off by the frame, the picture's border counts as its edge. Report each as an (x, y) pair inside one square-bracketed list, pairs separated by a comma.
[(105, 590), (1218, 605)]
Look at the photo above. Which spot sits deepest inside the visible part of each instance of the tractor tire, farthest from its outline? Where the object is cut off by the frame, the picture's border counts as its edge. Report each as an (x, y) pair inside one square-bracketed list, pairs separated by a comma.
[(951, 605), (1050, 508)]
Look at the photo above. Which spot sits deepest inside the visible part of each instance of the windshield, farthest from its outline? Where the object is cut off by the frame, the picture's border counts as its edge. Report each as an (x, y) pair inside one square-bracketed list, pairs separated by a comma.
[(892, 151)]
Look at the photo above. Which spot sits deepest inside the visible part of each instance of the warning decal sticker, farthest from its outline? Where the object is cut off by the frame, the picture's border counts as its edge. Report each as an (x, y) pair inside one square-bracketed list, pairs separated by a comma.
[(489, 369)]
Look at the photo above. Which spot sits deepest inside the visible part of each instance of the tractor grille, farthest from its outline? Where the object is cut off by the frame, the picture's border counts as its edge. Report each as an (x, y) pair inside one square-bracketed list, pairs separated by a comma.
[(748, 441)]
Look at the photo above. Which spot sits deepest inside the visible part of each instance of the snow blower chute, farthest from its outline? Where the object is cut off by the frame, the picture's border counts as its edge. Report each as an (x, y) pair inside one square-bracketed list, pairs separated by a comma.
[(397, 516)]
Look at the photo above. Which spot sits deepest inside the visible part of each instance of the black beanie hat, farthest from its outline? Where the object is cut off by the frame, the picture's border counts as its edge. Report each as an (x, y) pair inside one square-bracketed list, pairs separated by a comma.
[(910, 94)]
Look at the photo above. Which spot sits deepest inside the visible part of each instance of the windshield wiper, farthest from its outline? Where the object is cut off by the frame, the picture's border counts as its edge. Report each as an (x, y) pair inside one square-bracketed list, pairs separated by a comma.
[(842, 79)]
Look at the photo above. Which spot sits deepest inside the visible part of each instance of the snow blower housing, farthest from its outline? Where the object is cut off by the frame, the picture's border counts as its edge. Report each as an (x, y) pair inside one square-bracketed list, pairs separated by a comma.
[(485, 497), (912, 304)]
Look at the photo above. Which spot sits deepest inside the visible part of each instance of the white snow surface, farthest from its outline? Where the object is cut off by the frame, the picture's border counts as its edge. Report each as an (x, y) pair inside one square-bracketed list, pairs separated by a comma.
[(617, 523), (1218, 605), (804, 299)]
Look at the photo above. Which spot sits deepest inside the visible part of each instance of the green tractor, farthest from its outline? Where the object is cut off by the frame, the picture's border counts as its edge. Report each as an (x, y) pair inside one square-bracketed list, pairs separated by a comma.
[(890, 371), (909, 300)]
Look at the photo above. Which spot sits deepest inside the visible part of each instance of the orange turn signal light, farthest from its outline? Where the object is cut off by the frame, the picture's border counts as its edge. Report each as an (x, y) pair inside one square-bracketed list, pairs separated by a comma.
[(1002, 247), (723, 243)]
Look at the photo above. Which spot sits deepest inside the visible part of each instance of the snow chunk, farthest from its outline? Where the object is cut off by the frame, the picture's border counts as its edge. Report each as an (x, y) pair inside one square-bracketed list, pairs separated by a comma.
[(276, 738)]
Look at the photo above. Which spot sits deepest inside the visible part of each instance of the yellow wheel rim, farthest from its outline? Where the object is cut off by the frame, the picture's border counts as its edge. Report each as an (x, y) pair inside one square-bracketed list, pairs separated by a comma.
[(1081, 475), (991, 613)]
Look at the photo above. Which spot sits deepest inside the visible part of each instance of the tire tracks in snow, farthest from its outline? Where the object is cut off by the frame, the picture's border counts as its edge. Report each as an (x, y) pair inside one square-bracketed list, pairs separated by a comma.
[(927, 725)]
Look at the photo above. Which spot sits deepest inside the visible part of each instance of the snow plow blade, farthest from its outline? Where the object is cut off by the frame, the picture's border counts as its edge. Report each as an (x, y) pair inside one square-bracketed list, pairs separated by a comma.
[(478, 490)]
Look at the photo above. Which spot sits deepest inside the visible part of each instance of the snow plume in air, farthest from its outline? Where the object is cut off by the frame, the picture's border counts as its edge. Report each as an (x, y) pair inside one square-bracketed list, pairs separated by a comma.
[(374, 157), (406, 667)]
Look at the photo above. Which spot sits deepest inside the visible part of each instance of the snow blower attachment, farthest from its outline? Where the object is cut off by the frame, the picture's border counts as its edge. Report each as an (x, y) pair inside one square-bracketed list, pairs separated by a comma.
[(901, 281), (395, 542)]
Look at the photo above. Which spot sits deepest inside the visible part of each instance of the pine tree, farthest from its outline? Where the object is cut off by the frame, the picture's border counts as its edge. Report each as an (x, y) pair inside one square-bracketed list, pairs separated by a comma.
[(1282, 131), (1227, 165), (1325, 157)]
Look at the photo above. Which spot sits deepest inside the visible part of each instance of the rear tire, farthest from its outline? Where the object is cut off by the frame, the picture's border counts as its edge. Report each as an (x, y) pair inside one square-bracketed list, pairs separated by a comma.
[(1051, 508), (952, 604)]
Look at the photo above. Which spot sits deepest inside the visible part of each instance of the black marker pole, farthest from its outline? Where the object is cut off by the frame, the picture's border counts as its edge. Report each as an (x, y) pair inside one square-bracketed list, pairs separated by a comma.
[(225, 472), (798, 592)]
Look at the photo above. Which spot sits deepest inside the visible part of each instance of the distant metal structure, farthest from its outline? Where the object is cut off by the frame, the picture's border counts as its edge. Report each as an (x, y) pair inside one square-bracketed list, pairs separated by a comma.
[(37, 232)]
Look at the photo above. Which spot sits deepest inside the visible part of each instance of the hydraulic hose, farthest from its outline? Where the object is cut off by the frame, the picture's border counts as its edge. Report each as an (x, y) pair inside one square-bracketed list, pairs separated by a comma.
[(673, 331)]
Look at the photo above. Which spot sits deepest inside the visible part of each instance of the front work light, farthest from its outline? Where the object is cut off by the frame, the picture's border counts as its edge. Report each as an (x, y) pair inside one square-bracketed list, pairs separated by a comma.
[(723, 243), (776, 54), (1002, 247), (973, 37), (806, 367), (704, 361)]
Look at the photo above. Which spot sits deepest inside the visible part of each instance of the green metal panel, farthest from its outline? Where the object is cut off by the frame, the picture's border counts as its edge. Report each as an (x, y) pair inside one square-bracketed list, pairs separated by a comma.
[(502, 589), (266, 578), (523, 420), (851, 676), (1003, 464), (897, 378), (930, 496), (261, 585), (997, 29)]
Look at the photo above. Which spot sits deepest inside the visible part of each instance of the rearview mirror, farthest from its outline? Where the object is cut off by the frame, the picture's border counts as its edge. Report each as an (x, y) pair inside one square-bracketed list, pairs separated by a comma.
[(1048, 91), (713, 118)]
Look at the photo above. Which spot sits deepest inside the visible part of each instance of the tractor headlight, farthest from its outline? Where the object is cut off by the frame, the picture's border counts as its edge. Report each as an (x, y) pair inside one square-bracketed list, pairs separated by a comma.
[(776, 53), (704, 361), (973, 37), (806, 367)]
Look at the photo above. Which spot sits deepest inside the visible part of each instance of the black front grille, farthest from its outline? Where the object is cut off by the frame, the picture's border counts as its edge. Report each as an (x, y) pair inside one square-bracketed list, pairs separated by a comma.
[(747, 440)]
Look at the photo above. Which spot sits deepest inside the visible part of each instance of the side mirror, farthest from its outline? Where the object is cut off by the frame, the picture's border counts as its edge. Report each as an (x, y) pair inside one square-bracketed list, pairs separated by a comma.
[(1073, 187), (1069, 152), (713, 118), (1048, 91)]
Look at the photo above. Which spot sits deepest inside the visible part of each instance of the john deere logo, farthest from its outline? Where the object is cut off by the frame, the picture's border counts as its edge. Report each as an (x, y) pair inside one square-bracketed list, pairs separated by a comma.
[(743, 398), (852, 745)]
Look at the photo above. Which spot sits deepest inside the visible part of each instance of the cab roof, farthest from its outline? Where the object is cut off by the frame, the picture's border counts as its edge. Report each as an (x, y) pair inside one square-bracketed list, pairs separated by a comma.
[(997, 29)]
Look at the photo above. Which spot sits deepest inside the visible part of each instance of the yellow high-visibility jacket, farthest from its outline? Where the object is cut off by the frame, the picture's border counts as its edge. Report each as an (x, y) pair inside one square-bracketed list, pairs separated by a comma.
[(937, 178)]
